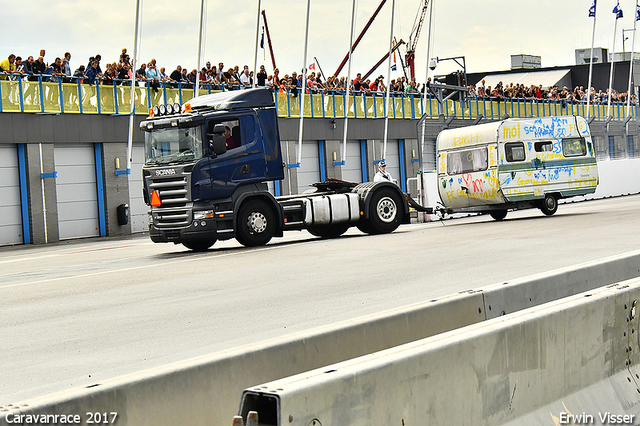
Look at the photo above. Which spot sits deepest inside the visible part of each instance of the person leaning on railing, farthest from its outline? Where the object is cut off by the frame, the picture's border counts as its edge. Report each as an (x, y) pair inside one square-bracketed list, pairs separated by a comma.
[(8, 66)]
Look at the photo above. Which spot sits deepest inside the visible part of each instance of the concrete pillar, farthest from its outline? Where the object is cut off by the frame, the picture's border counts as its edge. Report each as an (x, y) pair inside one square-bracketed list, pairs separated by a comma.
[(116, 187)]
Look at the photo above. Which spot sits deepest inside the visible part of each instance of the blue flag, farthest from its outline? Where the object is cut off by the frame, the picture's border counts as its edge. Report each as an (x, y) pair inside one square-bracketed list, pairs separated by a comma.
[(618, 11), (592, 10), (637, 12), (393, 67)]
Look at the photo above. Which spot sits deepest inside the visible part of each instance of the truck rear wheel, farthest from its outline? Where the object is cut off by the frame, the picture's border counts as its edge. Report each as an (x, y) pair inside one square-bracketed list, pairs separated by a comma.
[(199, 245), (549, 205), (384, 212), (329, 231), (256, 224)]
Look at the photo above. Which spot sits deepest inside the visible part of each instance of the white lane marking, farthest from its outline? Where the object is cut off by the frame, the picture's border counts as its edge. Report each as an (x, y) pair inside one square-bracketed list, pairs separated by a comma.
[(66, 251), (102, 272)]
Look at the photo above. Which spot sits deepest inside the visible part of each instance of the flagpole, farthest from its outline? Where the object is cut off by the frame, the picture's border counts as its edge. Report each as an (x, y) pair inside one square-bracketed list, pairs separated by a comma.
[(633, 43), (346, 107), (201, 39), (593, 38), (613, 61), (386, 118), (255, 62), (304, 84), (132, 103), (426, 74)]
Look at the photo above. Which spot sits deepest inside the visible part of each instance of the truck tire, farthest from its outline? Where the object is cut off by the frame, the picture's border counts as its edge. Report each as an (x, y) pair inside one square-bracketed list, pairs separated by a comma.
[(256, 224), (498, 215), (329, 231), (384, 212), (199, 245), (365, 226), (549, 205)]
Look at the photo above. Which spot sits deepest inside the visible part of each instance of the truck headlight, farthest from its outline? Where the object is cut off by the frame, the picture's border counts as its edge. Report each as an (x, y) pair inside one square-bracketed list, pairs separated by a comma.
[(203, 214)]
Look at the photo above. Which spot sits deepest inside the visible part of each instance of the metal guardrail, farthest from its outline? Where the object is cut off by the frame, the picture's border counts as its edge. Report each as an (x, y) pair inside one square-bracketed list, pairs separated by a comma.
[(56, 95)]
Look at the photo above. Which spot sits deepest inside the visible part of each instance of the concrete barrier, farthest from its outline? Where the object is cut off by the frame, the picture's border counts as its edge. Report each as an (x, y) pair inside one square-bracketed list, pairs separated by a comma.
[(205, 390), (557, 356)]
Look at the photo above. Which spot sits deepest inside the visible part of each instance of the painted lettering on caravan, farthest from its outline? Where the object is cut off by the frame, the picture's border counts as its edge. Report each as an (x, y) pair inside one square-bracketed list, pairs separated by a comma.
[(466, 140), (511, 132), (558, 127), (493, 156)]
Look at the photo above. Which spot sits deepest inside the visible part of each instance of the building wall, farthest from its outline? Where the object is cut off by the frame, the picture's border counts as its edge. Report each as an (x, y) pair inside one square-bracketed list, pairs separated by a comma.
[(41, 133)]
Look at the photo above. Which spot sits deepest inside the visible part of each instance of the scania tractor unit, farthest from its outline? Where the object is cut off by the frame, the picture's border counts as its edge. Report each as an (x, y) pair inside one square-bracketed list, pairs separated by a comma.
[(207, 165)]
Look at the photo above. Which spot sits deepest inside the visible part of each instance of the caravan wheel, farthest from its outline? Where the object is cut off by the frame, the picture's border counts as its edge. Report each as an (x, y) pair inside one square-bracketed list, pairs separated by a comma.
[(549, 205)]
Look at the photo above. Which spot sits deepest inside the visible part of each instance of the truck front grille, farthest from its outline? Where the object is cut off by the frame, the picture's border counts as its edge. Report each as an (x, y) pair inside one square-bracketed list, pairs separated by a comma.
[(175, 207)]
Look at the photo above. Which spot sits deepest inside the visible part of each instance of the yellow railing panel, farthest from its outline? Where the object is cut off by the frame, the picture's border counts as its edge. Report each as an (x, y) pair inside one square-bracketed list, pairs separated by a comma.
[(10, 96), (108, 99)]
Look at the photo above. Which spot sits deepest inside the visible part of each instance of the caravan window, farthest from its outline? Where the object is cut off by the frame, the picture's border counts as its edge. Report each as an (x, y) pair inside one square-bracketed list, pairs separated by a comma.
[(467, 161), (546, 146), (574, 147), (514, 151)]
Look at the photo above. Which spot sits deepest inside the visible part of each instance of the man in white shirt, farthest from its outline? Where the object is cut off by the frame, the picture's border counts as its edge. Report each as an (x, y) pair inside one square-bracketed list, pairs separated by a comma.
[(245, 78), (382, 174)]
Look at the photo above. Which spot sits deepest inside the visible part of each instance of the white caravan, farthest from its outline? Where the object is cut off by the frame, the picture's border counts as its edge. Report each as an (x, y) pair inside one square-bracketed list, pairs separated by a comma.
[(514, 164)]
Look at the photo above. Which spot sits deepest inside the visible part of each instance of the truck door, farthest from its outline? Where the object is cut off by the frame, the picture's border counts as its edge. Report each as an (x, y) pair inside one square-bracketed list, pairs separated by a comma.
[(244, 162)]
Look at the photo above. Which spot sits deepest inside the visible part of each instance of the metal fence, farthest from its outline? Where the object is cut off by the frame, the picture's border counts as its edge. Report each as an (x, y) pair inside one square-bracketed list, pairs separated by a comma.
[(54, 97)]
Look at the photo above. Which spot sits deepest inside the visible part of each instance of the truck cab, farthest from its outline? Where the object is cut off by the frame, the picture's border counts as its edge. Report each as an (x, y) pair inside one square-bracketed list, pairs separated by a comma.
[(207, 164)]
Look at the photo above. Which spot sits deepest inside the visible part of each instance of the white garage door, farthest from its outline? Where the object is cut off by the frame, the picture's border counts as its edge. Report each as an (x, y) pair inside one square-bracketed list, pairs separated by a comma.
[(352, 170), (10, 207), (309, 171), (76, 191), (392, 159), (137, 208)]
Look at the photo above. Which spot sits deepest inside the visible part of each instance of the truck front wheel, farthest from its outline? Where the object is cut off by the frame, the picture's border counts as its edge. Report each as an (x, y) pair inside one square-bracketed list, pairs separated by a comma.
[(199, 245), (384, 212), (256, 224)]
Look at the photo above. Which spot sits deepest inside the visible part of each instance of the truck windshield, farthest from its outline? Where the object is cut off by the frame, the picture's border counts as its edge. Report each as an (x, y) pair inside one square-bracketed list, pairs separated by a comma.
[(173, 145)]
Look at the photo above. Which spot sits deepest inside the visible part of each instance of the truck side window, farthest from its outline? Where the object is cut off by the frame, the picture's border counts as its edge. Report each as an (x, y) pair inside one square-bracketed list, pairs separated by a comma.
[(546, 146), (467, 161), (514, 151), (574, 147), (232, 132), (247, 124)]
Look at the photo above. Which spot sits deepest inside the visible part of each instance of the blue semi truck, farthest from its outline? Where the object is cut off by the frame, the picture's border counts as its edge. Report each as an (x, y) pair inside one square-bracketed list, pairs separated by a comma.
[(199, 191)]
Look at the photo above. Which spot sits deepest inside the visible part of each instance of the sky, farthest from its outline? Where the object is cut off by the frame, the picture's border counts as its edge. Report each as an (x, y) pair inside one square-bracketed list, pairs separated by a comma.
[(485, 32)]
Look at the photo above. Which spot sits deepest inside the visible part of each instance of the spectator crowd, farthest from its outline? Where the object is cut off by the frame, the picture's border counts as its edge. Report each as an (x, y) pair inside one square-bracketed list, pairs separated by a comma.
[(229, 78)]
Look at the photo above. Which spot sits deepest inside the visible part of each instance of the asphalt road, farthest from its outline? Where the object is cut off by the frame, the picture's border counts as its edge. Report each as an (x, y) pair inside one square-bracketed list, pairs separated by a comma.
[(76, 313)]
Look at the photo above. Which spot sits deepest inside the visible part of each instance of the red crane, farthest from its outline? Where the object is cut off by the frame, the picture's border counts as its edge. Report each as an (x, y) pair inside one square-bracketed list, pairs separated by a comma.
[(386, 55), (413, 38), (273, 59), (355, 43)]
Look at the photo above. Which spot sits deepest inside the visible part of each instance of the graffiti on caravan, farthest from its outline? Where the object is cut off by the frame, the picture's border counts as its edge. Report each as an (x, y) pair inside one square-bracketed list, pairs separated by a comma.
[(558, 127)]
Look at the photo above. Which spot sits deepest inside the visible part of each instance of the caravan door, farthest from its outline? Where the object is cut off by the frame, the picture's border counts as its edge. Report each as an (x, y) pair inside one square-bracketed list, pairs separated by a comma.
[(468, 177)]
